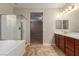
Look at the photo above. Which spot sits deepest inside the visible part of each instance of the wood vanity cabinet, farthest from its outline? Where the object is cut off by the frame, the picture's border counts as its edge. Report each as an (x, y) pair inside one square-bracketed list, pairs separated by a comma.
[(67, 44)]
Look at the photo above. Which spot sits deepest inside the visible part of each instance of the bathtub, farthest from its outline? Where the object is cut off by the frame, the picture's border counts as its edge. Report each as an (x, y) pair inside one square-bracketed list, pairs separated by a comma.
[(12, 47)]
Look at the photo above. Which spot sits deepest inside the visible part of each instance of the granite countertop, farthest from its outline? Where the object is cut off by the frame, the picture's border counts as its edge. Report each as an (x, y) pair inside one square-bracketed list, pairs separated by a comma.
[(69, 34)]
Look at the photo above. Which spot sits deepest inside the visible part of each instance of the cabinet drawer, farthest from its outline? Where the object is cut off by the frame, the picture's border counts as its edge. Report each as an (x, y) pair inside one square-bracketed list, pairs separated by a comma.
[(69, 52)]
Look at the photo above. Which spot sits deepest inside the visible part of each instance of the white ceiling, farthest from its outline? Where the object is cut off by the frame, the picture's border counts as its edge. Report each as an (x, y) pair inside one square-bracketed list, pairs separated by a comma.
[(39, 5)]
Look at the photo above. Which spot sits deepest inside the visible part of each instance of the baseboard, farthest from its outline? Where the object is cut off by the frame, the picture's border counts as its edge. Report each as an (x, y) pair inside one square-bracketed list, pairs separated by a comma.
[(48, 44), (43, 44), (53, 44)]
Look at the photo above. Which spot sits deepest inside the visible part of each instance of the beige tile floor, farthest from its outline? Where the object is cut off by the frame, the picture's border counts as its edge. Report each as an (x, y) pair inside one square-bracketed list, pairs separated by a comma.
[(40, 50)]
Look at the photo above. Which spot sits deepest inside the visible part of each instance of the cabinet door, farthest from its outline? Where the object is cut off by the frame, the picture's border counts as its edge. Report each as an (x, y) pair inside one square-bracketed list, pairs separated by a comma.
[(70, 43), (69, 52), (76, 47), (61, 42), (70, 48), (56, 39)]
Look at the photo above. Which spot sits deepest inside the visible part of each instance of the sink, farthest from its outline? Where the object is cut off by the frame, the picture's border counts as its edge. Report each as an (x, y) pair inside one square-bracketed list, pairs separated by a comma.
[(65, 32)]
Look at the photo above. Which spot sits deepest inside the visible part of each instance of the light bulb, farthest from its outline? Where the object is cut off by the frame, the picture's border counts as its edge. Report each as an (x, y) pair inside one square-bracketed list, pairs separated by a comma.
[(66, 10), (63, 11), (70, 8), (61, 14), (58, 16)]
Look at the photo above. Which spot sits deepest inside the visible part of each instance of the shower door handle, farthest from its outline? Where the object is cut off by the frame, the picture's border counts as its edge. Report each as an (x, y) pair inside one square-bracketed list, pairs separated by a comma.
[(20, 28)]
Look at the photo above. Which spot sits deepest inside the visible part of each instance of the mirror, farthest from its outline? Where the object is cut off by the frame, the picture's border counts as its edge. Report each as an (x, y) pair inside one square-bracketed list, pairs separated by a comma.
[(65, 24), (58, 24)]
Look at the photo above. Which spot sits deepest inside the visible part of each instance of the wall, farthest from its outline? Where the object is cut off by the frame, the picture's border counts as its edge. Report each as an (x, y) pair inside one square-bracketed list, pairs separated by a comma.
[(49, 26), (49, 15), (73, 18), (6, 8)]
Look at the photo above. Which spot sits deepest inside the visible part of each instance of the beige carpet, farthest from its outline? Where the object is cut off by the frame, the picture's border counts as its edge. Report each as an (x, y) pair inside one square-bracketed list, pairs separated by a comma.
[(40, 50)]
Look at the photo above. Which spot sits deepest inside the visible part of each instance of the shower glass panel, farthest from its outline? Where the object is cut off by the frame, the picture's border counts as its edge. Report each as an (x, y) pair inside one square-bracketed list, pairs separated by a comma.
[(10, 27)]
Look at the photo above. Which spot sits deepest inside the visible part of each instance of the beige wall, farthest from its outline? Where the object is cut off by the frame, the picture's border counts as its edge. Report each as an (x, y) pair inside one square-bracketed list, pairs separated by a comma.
[(49, 15), (49, 25), (6, 8)]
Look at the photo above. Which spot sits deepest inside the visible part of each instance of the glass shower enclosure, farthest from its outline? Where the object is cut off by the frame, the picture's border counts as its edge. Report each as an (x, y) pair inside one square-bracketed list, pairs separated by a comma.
[(11, 27)]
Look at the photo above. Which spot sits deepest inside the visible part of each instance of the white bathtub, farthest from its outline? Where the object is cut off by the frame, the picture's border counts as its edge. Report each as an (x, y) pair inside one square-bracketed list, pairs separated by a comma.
[(12, 47)]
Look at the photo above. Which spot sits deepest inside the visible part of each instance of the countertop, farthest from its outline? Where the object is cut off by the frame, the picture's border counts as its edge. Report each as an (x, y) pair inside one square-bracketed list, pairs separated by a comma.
[(69, 34)]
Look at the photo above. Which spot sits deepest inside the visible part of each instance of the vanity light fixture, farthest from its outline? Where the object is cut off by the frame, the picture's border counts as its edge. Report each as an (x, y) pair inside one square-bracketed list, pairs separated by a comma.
[(66, 10)]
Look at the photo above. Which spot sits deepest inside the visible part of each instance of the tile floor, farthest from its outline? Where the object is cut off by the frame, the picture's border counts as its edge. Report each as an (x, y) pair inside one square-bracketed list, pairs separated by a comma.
[(40, 50)]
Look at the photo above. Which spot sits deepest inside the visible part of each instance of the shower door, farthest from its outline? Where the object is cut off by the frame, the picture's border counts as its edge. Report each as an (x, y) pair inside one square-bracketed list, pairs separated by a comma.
[(11, 27), (8, 27)]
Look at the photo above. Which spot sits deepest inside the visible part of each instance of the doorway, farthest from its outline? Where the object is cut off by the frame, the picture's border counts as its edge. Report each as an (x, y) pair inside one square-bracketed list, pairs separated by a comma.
[(36, 31)]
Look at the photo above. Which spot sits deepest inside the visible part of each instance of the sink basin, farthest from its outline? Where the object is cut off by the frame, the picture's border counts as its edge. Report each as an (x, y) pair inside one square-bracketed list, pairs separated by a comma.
[(65, 32)]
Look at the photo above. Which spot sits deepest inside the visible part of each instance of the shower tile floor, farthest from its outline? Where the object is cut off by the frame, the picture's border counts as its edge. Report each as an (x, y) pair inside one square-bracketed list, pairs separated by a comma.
[(40, 50)]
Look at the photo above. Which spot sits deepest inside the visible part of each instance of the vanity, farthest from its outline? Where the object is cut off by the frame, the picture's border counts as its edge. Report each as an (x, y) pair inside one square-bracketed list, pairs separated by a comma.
[(68, 43)]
